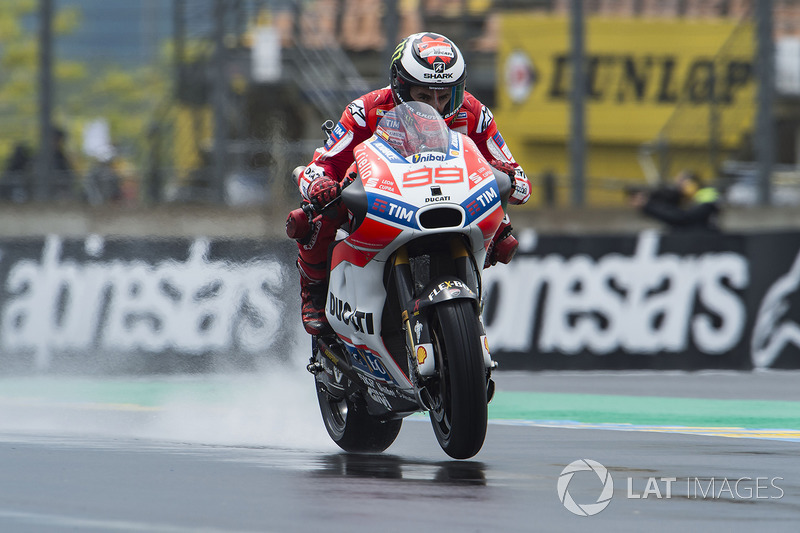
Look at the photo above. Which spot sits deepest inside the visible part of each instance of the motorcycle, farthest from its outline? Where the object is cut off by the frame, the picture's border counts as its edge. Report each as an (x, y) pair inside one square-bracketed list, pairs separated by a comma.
[(404, 293)]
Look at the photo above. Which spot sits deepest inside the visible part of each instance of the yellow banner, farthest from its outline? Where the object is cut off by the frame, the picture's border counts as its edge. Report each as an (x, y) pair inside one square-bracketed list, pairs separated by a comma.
[(644, 77)]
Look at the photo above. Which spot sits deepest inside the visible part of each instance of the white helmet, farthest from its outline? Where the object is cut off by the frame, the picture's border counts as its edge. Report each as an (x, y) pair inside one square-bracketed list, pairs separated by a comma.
[(428, 60)]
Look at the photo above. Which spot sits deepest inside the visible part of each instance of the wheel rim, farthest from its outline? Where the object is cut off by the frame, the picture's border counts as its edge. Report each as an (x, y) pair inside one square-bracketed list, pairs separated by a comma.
[(336, 415), (440, 413)]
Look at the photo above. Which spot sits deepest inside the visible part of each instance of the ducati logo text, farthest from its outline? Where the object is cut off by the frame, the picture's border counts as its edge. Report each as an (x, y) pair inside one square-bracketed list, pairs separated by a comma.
[(344, 312)]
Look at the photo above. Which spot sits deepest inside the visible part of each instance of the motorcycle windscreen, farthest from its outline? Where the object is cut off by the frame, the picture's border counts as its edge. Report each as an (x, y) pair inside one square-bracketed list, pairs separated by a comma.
[(414, 127)]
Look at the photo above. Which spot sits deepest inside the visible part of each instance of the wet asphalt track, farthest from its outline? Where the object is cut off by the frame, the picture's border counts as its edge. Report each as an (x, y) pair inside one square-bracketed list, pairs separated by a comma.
[(255, 464)]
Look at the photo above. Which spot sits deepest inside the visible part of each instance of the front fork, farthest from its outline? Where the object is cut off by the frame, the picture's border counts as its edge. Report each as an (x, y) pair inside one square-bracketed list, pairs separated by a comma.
[(419, 345)]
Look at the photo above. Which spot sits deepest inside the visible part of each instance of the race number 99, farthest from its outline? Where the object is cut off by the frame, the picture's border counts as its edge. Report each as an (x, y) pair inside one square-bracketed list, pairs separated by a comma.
[(429, 176)]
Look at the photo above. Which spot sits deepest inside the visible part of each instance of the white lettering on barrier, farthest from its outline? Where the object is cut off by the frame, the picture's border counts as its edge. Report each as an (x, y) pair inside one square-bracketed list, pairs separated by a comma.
[(643, 303), (775, 330), (195, 306)]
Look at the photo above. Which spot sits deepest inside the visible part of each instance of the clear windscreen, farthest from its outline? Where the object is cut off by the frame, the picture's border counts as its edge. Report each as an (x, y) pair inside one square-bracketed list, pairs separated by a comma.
[(414, 127)]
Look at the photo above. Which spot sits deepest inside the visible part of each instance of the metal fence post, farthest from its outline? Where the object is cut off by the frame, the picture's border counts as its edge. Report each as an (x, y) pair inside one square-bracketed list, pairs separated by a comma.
[(765, 71), (577, 144), (219, 96), (44, 160)]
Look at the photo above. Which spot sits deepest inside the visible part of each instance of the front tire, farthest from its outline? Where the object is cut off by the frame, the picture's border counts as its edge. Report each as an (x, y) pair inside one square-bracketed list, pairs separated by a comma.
[(460, 410), (352, 428)]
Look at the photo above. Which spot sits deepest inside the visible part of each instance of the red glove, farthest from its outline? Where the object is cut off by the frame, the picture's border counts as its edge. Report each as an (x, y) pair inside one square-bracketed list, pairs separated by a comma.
[(322, 191), (504, 166)]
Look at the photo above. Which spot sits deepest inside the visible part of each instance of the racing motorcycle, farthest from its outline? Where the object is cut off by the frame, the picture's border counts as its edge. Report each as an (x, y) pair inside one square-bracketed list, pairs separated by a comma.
[(404, 293)]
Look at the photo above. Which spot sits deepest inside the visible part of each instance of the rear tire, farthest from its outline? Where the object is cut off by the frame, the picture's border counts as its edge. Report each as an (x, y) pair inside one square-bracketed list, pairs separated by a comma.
[(460, 410), (352, 428)]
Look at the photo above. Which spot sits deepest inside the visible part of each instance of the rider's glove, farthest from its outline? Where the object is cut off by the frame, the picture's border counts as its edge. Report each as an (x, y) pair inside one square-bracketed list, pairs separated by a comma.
[(520, 186), (322, 191), (505, 167)]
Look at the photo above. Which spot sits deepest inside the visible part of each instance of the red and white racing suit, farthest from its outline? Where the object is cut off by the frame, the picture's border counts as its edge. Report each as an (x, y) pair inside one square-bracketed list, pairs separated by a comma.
[(357, 124)]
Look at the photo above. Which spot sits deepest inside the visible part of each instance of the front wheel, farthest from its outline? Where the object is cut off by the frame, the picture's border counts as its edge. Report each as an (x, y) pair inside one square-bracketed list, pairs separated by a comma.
[(352, 428), (460, 412)]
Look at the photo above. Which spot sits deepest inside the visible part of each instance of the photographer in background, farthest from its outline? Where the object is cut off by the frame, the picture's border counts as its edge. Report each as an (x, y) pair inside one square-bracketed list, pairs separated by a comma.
[(16, 183), (688, 205)]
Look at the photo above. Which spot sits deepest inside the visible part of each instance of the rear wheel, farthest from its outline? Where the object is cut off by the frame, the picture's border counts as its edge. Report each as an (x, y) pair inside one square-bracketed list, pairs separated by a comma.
[(459, 413), (352, 428)]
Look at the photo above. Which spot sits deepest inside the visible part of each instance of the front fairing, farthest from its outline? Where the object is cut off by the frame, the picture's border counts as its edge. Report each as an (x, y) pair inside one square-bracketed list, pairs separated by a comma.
[(397, 198)]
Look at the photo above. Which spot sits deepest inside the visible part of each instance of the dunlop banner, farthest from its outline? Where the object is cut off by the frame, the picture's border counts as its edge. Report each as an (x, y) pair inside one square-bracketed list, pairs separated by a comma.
[(638, 71)]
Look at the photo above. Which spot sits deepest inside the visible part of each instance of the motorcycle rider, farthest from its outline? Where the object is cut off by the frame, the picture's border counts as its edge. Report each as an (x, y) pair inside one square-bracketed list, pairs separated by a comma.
[(425, 67)]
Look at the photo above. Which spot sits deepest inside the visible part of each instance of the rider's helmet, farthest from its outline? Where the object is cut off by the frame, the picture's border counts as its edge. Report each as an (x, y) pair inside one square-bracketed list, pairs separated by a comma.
[(429, 60)]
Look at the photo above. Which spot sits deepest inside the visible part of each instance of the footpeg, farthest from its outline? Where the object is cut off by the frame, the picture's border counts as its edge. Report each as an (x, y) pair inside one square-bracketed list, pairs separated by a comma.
[(315, 367)]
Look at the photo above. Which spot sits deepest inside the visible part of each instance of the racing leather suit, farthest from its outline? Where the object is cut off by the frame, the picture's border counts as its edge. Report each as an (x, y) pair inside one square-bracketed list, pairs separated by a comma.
[(357, 123)]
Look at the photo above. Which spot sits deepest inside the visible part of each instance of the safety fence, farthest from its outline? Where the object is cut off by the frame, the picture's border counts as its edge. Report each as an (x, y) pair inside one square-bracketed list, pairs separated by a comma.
[(215, 101), (645, 301)]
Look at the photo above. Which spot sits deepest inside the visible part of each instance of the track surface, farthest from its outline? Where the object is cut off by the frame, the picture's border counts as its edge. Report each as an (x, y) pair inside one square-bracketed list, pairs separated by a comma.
[(251, 454)]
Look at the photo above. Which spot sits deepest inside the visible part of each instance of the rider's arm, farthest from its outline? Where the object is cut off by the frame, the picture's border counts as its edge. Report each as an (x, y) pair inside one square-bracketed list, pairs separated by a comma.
[(336, 155), (494, 148)]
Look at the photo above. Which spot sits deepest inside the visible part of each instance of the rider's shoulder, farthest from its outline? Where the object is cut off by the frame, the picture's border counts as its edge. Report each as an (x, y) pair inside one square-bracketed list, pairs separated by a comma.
[(474, 116), (364, 110), (378, 97), (472, 106)]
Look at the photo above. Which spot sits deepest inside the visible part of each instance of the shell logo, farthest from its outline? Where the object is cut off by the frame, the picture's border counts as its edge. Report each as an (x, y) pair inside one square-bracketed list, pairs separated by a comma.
[(422, 354)]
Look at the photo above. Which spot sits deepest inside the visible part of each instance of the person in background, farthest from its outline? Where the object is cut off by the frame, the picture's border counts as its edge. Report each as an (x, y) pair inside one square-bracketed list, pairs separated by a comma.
[(103, 183), (63, 180), (17, 181), (688, 205)]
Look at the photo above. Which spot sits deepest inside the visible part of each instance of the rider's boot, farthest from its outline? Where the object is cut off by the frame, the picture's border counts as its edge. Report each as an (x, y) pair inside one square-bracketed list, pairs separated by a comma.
[(312, 262), (313, 293), (503, 246)]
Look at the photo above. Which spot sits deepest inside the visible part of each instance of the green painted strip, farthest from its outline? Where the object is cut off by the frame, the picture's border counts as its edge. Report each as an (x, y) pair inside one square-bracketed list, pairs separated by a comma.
[(506, 405), (145, 392), (645, 410)]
